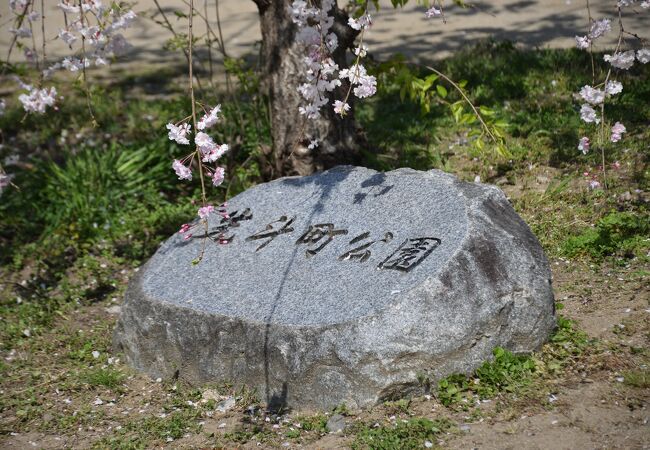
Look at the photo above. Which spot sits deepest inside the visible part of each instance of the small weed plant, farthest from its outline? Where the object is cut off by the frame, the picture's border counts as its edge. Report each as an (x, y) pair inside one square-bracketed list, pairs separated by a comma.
[(414, 433), (507, 372)]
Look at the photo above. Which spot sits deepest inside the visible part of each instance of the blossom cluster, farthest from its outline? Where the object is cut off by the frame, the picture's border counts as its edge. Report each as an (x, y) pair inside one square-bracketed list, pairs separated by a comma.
[(87, 22), (595, 96), (206, 152), (322, 74)]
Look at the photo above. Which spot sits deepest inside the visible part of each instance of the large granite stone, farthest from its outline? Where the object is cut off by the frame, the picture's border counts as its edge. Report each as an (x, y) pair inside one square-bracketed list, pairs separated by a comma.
[(342, 287)]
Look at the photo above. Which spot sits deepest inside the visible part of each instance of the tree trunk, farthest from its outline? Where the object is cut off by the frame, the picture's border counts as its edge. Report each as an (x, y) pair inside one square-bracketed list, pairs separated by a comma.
[(283, 71)]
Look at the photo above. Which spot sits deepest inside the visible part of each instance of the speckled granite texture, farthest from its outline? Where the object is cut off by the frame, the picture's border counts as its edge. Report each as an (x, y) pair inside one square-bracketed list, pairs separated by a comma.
[(343, 287)]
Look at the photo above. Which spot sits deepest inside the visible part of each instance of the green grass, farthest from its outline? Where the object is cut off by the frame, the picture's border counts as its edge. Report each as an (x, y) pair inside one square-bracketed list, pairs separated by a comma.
[(506, 373), (104, 377), (618, 233), (510, 373), (401, 435), (637, 378)]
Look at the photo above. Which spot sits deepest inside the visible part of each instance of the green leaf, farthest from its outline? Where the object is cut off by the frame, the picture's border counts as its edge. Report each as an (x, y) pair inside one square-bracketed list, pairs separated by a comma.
[(442, 91)]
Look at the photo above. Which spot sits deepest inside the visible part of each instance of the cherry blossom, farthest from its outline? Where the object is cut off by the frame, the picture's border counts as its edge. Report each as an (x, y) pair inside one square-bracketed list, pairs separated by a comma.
[(74, 64), (583, 42), (203, 142), (592, 95), (37, 100), (22, 32), (599, 28), (588, 114), (617, 130), (209, 119), (218, 176), (179, 133), (432, 12), (214, 153), (67, 37), (643, 55), (623, 60), (613, 87), (583, 145), (362, 22), (341, 107), (183, 172), (205, 211), (18, 6)]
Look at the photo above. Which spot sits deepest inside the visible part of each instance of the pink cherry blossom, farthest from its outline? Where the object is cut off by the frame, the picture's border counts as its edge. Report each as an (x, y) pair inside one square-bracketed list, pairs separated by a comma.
[(341, 107), (179, 133), (183, 172), (583, 145), (643, 55), (617, 131), (203, 142), (205, 211), (432, 12), (583, 42), (209, 119), (37, 100), (588, 114), (623, 60), (214, 153), (592, 95), (613, 87), (218, 176)]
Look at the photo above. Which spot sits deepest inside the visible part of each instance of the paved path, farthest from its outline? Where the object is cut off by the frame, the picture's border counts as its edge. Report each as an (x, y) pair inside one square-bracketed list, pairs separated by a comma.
[(551, 23)]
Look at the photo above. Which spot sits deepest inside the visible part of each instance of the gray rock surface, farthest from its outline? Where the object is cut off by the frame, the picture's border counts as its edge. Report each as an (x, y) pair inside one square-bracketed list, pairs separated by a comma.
[(342, 287), (335, 424)]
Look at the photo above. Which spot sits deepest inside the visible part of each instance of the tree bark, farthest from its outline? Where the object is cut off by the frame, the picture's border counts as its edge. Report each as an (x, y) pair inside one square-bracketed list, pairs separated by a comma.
[(282, 72)]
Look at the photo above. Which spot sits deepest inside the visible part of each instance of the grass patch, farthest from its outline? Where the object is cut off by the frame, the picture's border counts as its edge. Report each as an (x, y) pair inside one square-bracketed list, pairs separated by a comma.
[(403, 435), (104, 377), (637, 378), (506, 373), (510, 373), (618, 233)]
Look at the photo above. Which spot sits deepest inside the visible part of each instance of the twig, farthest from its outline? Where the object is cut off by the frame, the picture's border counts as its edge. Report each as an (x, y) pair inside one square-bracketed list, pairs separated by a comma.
[(197, 151), (469, 102), (83, 64)]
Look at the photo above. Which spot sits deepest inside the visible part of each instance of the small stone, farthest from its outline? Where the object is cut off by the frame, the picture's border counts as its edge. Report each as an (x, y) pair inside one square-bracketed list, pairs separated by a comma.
[(211, 394), (95, 354), (336, 423), (226, 405), (113, 310)]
